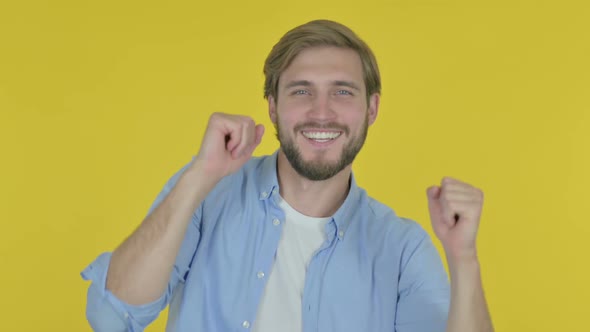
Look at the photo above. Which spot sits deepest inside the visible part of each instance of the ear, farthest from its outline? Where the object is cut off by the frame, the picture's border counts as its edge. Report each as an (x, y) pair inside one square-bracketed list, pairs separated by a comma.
[(272, 109), (373, 110)]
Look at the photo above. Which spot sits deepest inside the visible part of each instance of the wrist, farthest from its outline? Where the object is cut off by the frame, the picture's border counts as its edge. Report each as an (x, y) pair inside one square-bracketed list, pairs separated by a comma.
[(462, 258), (200, 174)]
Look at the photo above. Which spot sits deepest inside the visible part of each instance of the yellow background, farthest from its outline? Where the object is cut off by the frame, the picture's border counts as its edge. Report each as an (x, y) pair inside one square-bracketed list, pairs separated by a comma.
[(102, 101)]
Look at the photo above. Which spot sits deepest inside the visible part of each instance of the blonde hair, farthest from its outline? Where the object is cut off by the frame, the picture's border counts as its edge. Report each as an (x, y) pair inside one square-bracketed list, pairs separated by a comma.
[(313, 34)]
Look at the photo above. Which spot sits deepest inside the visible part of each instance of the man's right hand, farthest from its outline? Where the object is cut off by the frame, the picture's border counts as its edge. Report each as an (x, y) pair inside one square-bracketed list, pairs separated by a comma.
[(139, 270), (228, 144)]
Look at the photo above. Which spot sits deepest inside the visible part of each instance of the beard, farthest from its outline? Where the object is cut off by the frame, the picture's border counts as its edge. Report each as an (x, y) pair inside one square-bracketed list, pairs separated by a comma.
[(319, 170)]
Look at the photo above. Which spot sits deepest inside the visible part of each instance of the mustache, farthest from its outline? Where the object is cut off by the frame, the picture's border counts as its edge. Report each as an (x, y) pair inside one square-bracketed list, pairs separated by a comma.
[(317, 125)]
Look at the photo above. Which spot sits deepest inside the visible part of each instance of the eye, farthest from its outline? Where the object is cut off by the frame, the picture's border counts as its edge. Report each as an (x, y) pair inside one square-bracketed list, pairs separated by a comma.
[(344, 92), (300, 92)]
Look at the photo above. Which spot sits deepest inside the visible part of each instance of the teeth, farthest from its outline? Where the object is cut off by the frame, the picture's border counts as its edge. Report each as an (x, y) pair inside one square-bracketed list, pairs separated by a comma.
[(321, 135)]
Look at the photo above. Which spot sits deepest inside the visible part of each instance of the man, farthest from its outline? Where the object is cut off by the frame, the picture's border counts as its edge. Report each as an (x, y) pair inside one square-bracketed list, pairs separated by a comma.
[(289, 242)]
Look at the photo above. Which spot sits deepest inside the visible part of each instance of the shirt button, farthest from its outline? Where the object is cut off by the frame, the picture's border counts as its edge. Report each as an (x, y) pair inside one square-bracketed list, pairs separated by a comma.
[(276, 222), (260, 274), (126, 315), (246, 324), (341, 234), (264, 194)]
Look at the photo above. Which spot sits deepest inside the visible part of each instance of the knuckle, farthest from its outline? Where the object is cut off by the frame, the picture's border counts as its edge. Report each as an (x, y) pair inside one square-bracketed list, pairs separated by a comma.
[(453, 204), (446, 180), (446, 199), (250, 123), (479, 193), (216, 117), (244, 120)]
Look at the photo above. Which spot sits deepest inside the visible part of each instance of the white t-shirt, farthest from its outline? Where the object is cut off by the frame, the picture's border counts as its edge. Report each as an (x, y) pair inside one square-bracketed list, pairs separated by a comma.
[(280, 306)]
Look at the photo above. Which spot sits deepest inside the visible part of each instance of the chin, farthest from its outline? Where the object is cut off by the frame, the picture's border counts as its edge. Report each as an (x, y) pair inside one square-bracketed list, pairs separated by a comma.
[(321, 155)]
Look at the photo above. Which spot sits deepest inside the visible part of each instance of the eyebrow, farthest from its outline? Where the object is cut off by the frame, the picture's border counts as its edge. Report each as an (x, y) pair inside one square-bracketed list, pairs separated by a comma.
[(297, 83), (349, 84)]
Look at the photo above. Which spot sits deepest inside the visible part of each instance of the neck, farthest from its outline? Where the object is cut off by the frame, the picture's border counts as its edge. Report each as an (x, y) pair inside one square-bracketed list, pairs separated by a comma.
[(312, 198)]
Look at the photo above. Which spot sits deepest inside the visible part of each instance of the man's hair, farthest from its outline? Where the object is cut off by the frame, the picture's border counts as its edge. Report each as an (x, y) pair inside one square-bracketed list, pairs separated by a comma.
[(313, 34)]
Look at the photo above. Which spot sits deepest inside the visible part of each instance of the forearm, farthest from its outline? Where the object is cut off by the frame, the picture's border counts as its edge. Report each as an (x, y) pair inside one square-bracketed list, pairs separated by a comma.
[(141, 266), (468, 311)]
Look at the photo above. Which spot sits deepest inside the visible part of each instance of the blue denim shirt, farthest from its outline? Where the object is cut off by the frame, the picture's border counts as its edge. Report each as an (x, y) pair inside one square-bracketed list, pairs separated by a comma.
[(375, 272)]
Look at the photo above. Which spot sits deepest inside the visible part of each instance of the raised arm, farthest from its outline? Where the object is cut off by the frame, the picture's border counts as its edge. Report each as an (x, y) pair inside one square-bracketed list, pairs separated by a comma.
[(132, 285), (455, 211), (140, 267)]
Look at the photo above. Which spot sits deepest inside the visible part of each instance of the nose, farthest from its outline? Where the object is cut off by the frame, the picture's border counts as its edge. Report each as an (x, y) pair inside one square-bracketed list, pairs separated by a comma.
[(322, 109)]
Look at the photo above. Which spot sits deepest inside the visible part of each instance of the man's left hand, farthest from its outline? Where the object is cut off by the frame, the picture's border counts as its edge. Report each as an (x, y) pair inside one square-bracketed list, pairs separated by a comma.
[(455, 210)]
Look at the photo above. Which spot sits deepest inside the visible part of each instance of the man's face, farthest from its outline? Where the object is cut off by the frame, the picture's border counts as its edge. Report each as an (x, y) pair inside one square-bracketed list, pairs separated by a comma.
[(321, 113)]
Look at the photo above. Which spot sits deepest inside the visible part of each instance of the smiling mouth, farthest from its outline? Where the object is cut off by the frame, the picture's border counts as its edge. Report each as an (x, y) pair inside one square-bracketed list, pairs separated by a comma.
[(321, 136)]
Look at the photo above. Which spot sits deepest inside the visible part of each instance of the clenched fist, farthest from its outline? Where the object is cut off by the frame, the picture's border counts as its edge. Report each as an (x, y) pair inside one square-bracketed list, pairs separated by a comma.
[(455, 211), (228, 143)]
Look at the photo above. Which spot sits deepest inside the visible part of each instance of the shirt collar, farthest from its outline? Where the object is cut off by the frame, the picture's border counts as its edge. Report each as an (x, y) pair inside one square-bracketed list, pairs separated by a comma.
[(269, 185), (343, 215), (268, 182)]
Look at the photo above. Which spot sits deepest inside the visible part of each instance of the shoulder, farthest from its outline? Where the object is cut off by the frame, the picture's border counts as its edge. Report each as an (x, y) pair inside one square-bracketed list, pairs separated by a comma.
[(386, 215), (254, 170), (251, 178), (386, 229)]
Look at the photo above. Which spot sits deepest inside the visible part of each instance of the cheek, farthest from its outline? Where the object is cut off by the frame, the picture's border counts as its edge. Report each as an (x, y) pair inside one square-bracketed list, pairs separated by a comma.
[(289, 111), (352, 112), (296, 105), (285, 123), (350, 106)]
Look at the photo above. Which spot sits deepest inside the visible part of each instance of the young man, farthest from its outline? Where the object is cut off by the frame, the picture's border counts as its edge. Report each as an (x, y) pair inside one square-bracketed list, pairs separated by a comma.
[(289, 242)]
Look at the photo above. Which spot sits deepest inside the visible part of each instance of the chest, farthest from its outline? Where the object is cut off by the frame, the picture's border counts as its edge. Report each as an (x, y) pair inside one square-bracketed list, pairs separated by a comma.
[(349, 284)]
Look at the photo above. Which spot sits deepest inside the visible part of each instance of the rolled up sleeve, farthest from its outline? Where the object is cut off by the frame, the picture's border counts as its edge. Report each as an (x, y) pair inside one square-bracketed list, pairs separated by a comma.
[(106, 313), (424, 290)]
